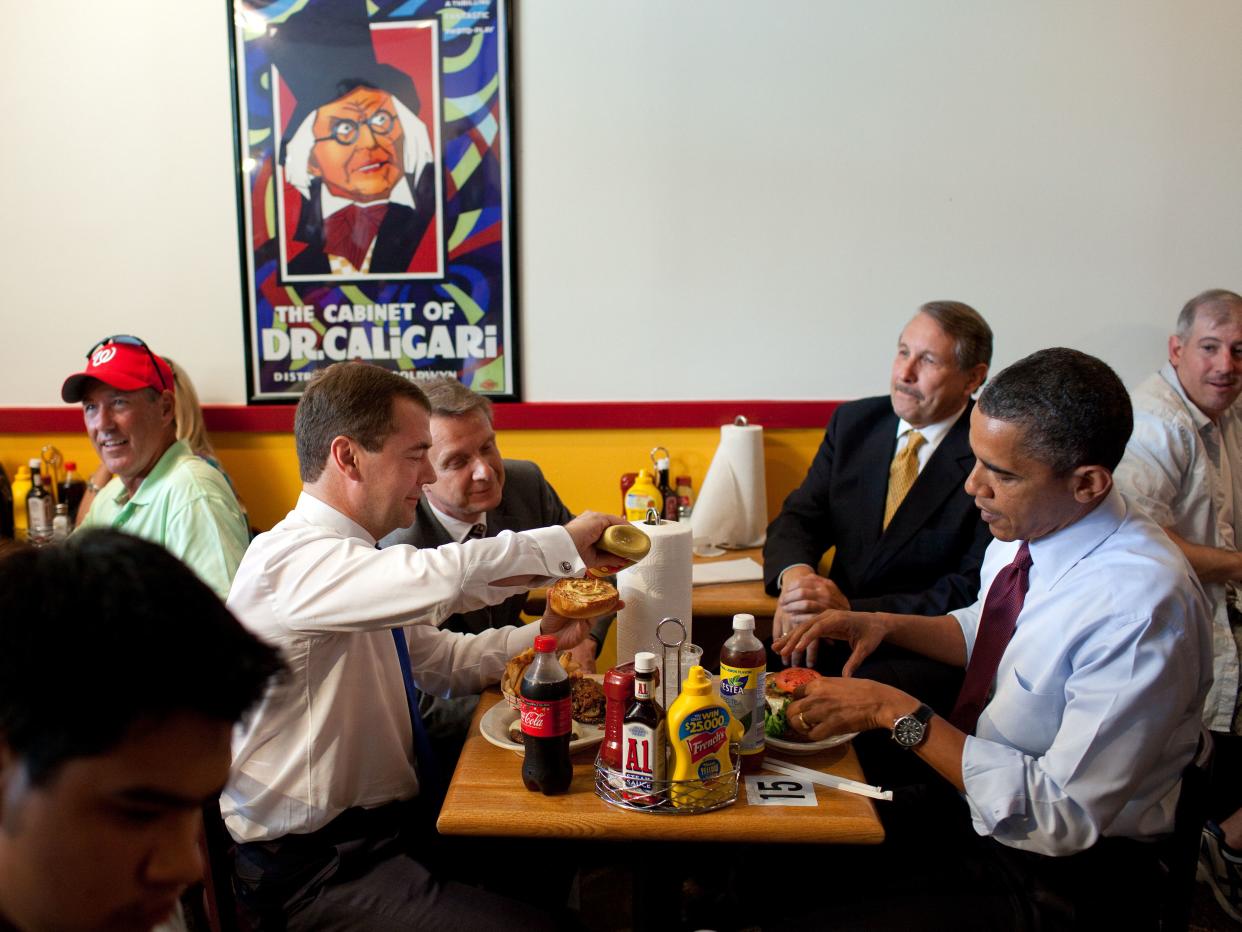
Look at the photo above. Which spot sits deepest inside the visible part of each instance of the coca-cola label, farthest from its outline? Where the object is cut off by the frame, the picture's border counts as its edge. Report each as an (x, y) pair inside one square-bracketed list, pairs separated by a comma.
[(546, 719)]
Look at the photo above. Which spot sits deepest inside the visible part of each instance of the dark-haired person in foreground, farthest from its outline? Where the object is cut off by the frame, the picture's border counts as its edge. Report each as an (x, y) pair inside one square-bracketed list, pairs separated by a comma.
[(324, 795), (1087, 655), (114, 729)]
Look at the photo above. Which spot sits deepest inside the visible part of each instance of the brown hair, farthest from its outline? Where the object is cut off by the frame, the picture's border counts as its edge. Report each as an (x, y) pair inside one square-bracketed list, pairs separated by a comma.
[(347, 399), (449, 398), (971, 335)]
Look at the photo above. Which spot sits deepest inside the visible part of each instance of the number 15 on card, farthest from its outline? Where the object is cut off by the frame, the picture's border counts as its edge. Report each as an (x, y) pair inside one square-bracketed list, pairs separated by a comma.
[(774, 791)]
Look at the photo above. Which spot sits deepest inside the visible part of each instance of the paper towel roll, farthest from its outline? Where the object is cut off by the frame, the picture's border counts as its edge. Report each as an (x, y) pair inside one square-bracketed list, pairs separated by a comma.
[(732, 508), (656, 588)]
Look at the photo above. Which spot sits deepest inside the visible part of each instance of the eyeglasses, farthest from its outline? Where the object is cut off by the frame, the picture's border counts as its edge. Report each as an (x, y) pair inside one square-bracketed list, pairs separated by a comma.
[(345, 131), (128, 340)]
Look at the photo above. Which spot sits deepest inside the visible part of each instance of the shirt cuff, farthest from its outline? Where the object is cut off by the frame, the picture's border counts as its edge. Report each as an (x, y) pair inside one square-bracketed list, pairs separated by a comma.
[(994, 778), (522, 637), (560, 555), (780, 580)]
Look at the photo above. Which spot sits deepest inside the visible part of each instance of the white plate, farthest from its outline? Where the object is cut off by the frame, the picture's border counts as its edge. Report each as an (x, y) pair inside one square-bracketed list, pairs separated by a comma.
[(494, 726), (808, 747)]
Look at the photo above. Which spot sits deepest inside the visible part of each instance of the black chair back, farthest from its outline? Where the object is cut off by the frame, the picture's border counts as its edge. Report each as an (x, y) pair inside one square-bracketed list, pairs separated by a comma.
[(1179, 852)]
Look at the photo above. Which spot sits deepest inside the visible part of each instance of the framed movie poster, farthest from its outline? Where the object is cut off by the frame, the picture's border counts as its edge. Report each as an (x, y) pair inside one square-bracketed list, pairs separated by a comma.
[(374, 190)]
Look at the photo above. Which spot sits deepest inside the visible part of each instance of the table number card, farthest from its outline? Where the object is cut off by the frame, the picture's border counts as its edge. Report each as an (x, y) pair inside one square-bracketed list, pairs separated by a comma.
[(766, 790)]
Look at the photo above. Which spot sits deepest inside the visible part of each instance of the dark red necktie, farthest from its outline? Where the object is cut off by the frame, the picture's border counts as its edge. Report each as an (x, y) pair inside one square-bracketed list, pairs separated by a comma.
[(350, 231), (996, 624)]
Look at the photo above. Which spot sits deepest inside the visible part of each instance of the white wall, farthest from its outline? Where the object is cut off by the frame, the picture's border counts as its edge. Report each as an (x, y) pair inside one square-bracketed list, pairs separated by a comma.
[(729, 199)]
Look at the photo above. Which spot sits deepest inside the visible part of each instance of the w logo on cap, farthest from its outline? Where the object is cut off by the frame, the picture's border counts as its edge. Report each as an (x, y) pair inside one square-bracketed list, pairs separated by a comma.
[(101, 356)]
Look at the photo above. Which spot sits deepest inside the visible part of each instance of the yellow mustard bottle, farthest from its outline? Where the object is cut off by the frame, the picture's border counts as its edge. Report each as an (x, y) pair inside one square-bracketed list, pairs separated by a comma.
[(22, 482), (700, 728), (643, 494)]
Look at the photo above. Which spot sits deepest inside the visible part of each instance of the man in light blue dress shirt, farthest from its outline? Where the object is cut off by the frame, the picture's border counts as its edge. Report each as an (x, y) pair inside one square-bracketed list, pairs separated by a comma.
[(1074, 766)]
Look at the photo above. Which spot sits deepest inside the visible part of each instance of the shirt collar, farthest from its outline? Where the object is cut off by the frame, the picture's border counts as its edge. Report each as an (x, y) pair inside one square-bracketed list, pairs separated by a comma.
[(329, 203), (457, 529), (1056, 554), (1169, 374), (319, 512), (147, 488), (932, 433)]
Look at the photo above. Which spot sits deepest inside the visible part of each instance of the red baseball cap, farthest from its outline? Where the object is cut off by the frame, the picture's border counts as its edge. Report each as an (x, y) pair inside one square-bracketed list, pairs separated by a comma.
[(124, 362)]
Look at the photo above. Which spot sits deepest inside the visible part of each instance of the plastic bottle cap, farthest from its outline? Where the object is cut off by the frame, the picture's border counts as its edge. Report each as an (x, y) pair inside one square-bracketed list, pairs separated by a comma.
[(644, 662), (545, 643), (698, 682), (743, 622), (35, 463), (71, 465)]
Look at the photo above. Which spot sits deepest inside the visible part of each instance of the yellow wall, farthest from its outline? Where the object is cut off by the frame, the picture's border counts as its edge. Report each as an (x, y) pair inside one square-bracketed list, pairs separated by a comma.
[(584, 466)]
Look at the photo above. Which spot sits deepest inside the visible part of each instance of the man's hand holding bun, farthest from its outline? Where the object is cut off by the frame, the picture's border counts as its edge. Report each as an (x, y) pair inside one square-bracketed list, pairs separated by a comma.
[(571, 631), (586, 530)]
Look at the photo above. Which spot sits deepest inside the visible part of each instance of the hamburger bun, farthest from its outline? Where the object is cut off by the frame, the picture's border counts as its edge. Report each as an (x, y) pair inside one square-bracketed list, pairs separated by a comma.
[(582, 598)]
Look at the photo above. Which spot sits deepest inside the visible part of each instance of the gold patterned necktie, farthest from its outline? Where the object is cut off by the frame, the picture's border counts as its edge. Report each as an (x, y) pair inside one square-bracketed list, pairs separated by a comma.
[(901, 474)]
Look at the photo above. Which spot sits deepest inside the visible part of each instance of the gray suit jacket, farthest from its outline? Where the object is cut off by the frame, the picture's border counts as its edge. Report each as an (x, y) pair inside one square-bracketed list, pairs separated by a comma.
[(528, 502)]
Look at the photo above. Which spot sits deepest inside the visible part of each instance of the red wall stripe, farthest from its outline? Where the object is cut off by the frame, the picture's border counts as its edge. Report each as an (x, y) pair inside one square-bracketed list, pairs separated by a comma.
[(538, 415)]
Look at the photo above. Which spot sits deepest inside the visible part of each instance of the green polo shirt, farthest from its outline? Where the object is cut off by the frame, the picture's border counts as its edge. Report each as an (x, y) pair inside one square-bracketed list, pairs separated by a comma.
[(184, 504)]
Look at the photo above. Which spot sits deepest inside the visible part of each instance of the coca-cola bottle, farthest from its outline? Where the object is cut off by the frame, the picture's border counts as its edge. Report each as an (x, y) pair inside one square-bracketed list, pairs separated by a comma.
[(546, 721)]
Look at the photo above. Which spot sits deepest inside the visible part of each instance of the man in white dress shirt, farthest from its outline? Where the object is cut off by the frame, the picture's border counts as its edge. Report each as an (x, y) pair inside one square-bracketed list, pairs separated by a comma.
[(325, 771), (1068, 759), (1183, 466)]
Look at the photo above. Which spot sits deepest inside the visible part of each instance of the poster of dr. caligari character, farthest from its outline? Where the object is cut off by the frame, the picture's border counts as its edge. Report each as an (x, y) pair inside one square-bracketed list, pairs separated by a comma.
[(374, 196)]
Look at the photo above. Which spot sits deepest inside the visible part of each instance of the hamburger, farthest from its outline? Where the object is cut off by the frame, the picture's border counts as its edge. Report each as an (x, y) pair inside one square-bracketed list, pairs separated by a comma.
[(779, 691), (582, 598)]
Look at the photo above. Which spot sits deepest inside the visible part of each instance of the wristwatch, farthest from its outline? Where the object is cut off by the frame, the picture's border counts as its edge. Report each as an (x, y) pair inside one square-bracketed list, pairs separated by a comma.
[(910, 730)]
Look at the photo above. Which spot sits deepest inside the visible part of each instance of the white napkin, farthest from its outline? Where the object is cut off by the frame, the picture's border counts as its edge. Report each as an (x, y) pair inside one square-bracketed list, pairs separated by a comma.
[(743, 569)]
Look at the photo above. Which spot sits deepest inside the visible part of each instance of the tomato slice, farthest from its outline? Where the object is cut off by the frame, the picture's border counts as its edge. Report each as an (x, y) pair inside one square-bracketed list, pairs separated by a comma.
[(791, 678)]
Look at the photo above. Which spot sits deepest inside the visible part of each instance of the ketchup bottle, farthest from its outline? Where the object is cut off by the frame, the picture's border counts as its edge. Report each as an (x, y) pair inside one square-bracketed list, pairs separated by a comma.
[(547, 720), (743, 669)]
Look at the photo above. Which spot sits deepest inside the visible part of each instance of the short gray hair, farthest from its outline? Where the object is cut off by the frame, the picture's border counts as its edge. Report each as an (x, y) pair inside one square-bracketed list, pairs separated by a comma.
[(1216, 301), (971, 335), (448, 397)]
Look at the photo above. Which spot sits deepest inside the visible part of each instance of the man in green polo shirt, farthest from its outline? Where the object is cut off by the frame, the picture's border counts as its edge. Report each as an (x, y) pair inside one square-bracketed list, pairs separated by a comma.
[(159, 490)]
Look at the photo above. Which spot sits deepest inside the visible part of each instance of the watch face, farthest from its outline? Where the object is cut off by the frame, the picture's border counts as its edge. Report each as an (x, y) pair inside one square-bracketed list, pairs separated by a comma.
[(908, 731)]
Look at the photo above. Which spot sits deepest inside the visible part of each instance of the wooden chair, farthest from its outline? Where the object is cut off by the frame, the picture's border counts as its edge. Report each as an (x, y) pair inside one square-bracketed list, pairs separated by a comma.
[(219, 903)]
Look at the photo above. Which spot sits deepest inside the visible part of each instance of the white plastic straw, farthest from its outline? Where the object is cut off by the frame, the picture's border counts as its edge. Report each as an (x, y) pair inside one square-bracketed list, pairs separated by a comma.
[(826, 779)]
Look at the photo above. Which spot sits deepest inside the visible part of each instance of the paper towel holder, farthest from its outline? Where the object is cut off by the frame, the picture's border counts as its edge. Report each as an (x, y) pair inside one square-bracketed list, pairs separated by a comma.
[(666, 646), (653, 517), (740, 421)]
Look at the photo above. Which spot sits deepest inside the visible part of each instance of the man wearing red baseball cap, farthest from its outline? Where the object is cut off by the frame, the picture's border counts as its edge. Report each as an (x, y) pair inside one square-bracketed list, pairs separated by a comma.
[(159, 490)]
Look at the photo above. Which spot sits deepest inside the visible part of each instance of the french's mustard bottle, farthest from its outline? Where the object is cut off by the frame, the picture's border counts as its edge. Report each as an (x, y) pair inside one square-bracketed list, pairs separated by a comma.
[(700, 728), (643, 494)]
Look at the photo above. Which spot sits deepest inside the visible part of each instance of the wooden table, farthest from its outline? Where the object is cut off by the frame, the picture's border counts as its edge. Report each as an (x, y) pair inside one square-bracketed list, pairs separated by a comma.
[(487, 798)]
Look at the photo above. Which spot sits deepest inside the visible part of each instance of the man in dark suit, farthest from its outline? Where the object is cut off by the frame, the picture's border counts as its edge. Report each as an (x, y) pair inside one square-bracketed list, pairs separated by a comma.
[(478, 494), (886, 488)]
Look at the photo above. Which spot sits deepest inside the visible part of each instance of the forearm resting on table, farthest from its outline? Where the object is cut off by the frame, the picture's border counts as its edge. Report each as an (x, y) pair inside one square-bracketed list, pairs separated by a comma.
[(943, 745), (938, 637), (1211, 564)]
